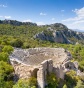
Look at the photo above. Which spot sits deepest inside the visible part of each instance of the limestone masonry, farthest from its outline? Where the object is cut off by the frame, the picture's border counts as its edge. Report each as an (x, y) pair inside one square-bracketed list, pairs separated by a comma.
[(39, 62)]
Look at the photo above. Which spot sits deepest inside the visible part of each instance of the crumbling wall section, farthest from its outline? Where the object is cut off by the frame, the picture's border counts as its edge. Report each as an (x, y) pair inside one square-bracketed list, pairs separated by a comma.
[(46, 67), (59, 71), (41, 74), (50, 66)]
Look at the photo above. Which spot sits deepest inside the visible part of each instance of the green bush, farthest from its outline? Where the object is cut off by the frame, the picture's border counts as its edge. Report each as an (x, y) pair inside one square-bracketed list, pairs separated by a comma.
[(80, 84), (81, 65), (71, 78), (7, 49), (26, 83), (4, 56), (52, 80), (6, 75), (17, 43), (65, 86)]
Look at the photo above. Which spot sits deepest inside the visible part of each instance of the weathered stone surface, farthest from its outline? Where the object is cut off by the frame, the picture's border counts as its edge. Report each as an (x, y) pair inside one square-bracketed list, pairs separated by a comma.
[(39, 62), (35, 56), (23, 71)]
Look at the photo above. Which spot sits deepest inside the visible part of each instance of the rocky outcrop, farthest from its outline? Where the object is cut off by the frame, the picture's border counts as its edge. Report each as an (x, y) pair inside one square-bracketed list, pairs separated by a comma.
[(61, 34), (54, 36)]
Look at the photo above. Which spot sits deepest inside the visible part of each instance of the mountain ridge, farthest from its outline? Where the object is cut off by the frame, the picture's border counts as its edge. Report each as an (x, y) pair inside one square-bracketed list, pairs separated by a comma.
[(56, 32), (16, 23), (60, 33)]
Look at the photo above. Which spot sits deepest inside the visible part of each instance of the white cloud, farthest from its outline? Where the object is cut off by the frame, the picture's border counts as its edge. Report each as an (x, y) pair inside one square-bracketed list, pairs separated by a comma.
[(43, 14), (1, 5), (40, 23), (79, 15), (1, 16), (78, 25), (7, 17), (79, 12), (28, 20), (77, 21), (72, 19), (53, 19), (62, 10)]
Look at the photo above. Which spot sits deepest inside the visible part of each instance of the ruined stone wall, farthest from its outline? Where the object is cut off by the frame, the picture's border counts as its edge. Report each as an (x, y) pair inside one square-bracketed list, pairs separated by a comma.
[(50, 66), (45, 68), (59, 71), (41, 72), (39, 62), (23, 71), (40, 78)]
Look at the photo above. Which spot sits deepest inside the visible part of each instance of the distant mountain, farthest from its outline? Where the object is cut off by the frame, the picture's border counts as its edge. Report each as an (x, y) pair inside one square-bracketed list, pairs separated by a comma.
[(16, 23), (60, 33), (78, 30)]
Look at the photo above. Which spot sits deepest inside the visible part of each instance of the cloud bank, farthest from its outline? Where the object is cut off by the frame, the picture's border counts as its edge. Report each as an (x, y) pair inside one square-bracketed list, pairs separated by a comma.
[(76, 22)]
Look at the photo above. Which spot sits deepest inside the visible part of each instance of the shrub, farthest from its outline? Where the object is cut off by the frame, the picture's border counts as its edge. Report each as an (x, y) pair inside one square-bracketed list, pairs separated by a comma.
[(5, 75), (65, 86), (80, 84), (7, 49), (28, 83), (4, 56), (71, 78), (17, 43), (52, 80)]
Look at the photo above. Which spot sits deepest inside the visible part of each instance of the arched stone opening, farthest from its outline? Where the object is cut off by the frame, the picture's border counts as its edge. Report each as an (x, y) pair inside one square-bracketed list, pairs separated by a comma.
[(34, 73)]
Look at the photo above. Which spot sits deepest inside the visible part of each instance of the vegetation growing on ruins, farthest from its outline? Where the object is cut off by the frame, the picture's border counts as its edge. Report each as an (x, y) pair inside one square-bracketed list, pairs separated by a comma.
[(52, 81)]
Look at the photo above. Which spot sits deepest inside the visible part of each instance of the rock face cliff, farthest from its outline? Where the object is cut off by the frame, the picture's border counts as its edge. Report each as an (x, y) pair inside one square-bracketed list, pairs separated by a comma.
[(60, 33)]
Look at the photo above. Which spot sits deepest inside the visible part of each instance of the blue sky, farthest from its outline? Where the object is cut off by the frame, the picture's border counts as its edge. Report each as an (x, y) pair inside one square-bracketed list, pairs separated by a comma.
[(68, 12)]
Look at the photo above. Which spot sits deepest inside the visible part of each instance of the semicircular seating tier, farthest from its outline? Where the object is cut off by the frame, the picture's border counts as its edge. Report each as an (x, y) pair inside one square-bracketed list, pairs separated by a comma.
[(35, 56)]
